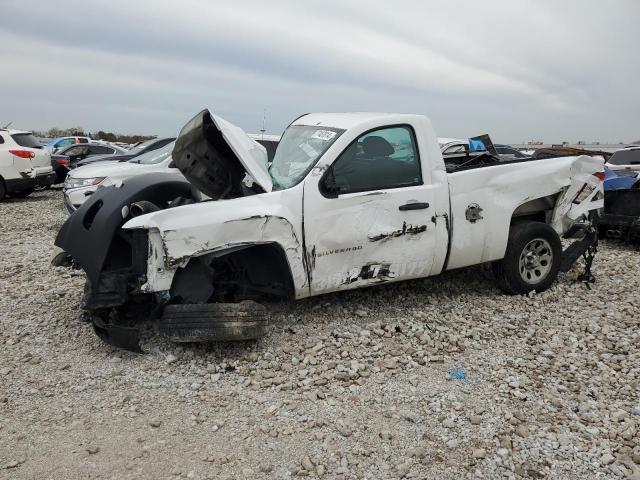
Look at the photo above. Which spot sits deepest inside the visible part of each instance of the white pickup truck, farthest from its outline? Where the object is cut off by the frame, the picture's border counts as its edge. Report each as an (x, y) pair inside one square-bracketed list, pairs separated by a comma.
[(350, 200)]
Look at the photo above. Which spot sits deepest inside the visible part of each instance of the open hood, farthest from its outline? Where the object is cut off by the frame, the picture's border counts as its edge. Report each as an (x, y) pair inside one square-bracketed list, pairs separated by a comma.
[(214, 155)]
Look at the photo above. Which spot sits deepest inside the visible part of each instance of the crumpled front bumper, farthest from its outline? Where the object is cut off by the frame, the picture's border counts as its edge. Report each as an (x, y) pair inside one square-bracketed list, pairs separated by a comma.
[(115, 260)]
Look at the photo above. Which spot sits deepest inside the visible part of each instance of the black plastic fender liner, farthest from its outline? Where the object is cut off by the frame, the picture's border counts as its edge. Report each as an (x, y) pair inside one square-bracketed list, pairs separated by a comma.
[(90, 231)]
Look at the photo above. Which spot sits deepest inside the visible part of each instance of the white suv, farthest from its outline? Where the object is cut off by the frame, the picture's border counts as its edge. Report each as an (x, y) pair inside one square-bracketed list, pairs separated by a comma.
[(24, 164)]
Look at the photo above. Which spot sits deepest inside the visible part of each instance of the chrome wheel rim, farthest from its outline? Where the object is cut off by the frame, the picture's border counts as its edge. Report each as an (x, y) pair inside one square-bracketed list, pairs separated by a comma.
[(535, 261)]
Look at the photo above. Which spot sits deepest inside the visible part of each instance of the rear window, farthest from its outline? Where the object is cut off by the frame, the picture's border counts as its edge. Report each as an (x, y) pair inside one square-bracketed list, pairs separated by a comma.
[(625, 157), (26, 140)]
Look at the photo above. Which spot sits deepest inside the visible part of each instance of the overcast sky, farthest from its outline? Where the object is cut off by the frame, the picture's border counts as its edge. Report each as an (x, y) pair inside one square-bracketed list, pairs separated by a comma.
[(519, 70)]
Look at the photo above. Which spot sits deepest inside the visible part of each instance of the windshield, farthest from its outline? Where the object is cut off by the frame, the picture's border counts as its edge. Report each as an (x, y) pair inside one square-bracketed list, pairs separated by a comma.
[(155, 156), (143, 145), (625, 157), (298, 151)]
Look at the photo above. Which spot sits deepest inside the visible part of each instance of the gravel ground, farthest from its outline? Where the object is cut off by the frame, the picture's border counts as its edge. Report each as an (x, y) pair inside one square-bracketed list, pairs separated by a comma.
[(351, 385)]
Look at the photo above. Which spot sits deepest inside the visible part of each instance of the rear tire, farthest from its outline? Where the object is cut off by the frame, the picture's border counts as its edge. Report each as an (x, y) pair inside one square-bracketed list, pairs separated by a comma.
[(212, 322), (3, 189), (532, 260)]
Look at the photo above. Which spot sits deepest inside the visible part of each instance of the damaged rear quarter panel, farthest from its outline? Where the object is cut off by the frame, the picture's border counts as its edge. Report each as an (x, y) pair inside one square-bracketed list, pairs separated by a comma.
[(499, 190), (178, 234)]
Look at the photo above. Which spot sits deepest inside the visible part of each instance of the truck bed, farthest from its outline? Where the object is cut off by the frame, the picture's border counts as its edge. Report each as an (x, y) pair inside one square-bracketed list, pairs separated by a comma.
[(501, 190), (470, 161)]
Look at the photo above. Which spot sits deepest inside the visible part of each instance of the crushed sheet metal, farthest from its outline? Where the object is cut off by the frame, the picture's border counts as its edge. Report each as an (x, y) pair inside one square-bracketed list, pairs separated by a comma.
[(581, 171), (159, 272)]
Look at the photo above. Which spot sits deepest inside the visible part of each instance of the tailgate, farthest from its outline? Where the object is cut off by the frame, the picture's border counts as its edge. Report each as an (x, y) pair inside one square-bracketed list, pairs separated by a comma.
[(38, 164), (41, 159), (29, 156)]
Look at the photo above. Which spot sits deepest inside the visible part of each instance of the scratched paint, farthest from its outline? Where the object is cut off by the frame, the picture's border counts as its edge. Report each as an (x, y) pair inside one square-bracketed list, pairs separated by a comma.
[(405, 230)]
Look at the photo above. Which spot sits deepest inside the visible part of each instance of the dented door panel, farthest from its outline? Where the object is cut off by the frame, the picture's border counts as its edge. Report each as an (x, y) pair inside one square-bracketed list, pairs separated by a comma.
[(363, 238)]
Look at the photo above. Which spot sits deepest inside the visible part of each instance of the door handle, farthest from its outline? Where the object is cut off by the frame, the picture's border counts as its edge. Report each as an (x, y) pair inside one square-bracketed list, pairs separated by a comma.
[(414, 206)]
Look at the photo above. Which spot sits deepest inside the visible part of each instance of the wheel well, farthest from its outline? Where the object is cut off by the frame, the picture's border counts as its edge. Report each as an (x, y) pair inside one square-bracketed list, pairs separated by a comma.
[(538, 210), (256, 272)]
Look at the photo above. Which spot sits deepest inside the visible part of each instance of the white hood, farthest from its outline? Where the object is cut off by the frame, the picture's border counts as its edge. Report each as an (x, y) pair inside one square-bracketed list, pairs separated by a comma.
[(214, 155)]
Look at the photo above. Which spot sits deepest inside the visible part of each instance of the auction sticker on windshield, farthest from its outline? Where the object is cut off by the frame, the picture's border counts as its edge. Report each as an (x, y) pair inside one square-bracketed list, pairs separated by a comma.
[(324, 135)]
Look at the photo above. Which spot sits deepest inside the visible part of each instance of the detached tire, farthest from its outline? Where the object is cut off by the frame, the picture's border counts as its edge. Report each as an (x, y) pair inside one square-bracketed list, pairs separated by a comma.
[(532, 260), (214, 322)]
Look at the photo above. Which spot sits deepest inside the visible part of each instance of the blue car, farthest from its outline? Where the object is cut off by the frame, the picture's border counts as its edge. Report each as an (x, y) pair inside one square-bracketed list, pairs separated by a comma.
[(57, 143), (614, 181)]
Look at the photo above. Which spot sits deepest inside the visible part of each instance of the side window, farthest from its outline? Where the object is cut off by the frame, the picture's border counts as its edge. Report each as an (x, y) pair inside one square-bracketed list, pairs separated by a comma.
[(100, 150), (82, 140), (74, 151), (381, 159), (1, 139)]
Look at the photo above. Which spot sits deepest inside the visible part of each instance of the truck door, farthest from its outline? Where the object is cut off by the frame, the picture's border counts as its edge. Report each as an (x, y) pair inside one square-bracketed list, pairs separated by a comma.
[(369, 217)]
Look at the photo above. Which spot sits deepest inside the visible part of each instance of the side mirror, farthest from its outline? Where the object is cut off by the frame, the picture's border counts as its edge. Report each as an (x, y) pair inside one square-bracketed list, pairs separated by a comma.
[(328, 186)]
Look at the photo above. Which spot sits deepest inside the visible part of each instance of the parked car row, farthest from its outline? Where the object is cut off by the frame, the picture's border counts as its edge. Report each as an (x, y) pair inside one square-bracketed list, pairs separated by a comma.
[(151, 157), (68, 157)]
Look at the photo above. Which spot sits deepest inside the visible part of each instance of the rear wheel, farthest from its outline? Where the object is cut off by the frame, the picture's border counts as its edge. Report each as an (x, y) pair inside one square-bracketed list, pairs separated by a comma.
[(210, 322), (532, 259), (3, 190)]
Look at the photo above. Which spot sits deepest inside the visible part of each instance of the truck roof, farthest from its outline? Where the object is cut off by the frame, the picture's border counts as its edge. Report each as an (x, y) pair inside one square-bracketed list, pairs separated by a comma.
[(348, 120)]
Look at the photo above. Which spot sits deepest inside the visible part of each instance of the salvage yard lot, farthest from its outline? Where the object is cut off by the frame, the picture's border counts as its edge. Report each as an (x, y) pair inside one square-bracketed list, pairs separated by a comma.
[(356, 384)]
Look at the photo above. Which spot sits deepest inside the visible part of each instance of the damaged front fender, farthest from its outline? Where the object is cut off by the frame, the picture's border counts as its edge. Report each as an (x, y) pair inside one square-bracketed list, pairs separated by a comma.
[(222, 226)]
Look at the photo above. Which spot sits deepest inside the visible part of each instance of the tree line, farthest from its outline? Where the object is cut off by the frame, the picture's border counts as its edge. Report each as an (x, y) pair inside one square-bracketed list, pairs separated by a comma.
[(99, 135)]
